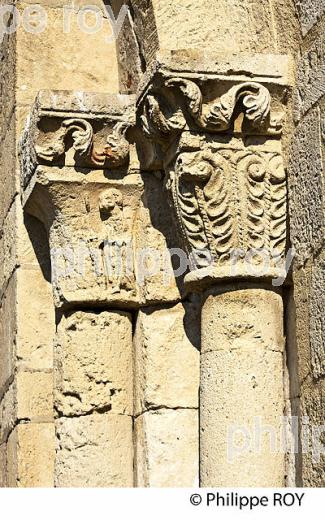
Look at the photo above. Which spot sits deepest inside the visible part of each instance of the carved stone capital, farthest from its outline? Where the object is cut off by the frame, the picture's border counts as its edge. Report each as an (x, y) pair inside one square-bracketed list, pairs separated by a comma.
[(80, 177), (76, 129), (216, 131)]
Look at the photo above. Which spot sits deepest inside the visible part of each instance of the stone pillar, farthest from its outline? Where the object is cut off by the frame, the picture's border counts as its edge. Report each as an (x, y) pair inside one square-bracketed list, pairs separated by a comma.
[(88, 217), (218, 139), (242, 397), (93, 400), (166, 396), (80, 178)]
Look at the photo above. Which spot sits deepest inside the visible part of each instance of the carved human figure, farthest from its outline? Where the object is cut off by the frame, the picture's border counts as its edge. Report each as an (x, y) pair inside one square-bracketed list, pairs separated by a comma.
[(117, 247)]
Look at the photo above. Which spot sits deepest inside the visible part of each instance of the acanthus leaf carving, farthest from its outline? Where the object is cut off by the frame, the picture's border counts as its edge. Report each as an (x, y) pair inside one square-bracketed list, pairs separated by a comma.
[(227, 202), (216, 116)]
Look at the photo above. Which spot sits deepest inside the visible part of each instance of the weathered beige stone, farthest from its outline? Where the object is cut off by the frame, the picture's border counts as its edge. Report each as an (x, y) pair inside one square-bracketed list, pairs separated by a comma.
[(16, 248), (167, 448), (7, 82), (34, 396), (110, 234), (218, 118), (317, 323), (3, 465), (8, 329), (241, 391), (8, 168), (309, 13), (166, 361), (306, 182), (71, 60), (94, 451), (173, 25), (7, 412), (30, 455), (156, 237), (310, 77), (301, 295), (36, 319), (312, 434), (94, 364)]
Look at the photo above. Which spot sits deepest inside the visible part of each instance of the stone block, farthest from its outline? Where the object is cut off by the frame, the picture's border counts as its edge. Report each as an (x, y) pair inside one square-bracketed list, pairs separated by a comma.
[(3, 465), (7, 80), (94, 363), (34, 396), (30, 455), (94, 451), (167, 363), (68, 57), (8, 331), (312, 431), (167, 448), (36, 319), (8, 168), (242, 399), (242, 407), (8, 412), (173, 25)]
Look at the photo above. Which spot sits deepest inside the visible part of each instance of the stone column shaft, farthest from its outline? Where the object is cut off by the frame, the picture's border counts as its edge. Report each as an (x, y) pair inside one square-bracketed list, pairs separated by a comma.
[(241, 391)]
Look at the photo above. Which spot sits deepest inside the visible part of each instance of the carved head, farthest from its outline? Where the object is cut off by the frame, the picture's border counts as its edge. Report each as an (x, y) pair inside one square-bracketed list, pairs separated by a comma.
[(109, 200)]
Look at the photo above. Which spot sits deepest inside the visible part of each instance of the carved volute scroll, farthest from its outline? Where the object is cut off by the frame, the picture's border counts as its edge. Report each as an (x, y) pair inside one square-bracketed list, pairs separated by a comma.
[(219, 141)]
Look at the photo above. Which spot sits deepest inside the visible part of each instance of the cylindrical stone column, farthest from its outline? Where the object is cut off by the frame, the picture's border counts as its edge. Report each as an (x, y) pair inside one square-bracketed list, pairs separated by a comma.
[(241, 395), (93, 399)]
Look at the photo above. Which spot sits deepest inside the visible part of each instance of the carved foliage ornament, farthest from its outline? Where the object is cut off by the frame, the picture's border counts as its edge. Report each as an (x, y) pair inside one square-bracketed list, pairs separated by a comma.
[(164, 113), (115, 152), (230, 200)]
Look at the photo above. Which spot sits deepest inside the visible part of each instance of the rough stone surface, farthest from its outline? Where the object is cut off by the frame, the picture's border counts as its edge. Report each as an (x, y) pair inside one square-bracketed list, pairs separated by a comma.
[(94, 364), (307, 188), (311, 76), (35, 320), (167, 448), (34, 396), (30, 455), (317, 317), (3, 465), (167, 362), (126, 411), (94, 451), (312, 422), (7, 81), (242, 344), (8, 168), (301, 293), (309, 13), (75, 60), (8, 328), (169, 24)]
